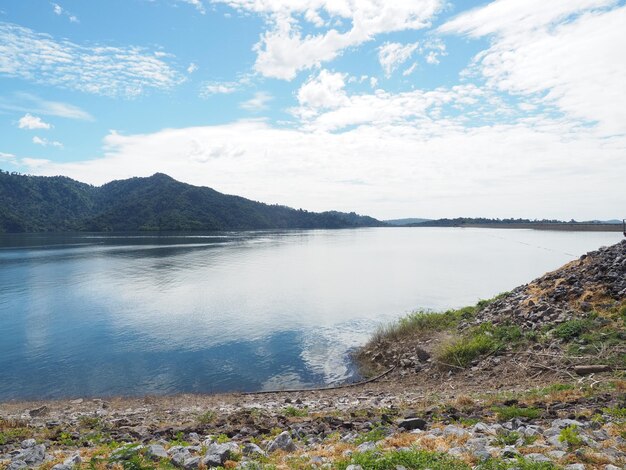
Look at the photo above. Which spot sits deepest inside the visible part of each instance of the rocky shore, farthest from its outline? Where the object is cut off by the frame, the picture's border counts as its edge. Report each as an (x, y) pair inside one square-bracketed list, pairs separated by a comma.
[(490, 387)]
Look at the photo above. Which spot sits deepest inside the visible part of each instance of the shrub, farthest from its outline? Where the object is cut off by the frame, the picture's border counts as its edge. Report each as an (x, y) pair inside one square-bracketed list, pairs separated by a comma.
[(571, 329)]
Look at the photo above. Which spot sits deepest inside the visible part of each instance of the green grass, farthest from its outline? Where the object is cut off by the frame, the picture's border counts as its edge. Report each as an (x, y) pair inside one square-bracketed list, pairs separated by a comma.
[(410, 459), (423, 322), (518, 464), (506, 413), (375, 435), (571, 437), (478, 341), (615, 412), (207, 417), (572, 328), (295, 412), (13, 435)]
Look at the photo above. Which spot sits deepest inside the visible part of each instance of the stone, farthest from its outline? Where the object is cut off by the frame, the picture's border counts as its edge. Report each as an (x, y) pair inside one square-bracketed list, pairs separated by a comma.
[(31, 456), (179, 455), (42, 410), (554, 441), (354, 467), (16, 465), (156, 452), (452, 430), (192, 463), (283, 442), (73, 460), (366, 447), (413, 423), (26, 443), (574, 466), (557, 454), (250, 450)]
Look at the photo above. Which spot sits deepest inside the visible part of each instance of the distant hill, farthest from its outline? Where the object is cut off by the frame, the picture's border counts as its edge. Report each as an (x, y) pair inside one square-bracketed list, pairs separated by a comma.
[(400, 222), (158, 202)]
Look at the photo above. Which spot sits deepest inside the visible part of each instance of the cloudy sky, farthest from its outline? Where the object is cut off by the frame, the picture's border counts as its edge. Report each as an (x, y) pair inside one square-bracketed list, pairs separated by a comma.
[(404, 108)]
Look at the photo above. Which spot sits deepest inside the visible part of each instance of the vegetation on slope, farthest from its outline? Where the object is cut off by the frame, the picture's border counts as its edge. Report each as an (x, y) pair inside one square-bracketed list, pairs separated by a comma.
[(47, 204)]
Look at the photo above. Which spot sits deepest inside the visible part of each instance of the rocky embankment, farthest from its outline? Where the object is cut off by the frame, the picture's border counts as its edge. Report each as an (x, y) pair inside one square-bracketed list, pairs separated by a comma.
[(493, 386)]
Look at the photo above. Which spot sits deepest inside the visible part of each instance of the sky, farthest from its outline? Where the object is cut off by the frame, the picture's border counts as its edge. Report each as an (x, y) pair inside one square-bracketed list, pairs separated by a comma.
[(410, 108)]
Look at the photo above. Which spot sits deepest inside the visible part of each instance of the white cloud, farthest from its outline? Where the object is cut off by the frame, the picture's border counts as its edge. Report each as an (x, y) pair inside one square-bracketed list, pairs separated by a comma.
[(60, 11), (103, 70), (26, 102), (563, 53), (393, 54), (46, 143), (409, 70), (446, 170), (196, 3), (28, 121), (258, 103), (7, 157), (192, 68), (218, 88), (284, 50), (326, 90), (324, 105)]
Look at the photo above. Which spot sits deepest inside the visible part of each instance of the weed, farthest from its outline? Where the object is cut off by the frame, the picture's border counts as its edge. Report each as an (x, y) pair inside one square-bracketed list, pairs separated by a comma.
[(375, 435), (13, 435), (207, 417), (295, 412), (508, 438), (506, 413), (411, 459), (615, 412), (222, 439), (179, 439), (570, 436), (518, 464)]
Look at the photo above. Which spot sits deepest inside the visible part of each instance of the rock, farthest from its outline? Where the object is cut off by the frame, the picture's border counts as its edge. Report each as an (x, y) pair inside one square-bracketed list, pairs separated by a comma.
[(366, 447), (251, 450), (217, 454), (26, 443), (557, 454), (412, 423), (179, 456), (509, 452), (611, 467), (156, 452), (42, 410), (283, 442), (191, 463), (73, 460), (354, 467), (32, 456), (575, 466), (451, 430), (16, 465), (554, 441)]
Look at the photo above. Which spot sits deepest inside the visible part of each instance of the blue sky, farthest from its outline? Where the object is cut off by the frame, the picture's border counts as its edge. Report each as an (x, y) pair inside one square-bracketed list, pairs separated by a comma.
[(409, 108)]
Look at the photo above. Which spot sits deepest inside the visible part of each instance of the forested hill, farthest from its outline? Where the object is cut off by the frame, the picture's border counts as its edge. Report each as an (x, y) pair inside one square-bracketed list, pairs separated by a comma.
[(158, 202)]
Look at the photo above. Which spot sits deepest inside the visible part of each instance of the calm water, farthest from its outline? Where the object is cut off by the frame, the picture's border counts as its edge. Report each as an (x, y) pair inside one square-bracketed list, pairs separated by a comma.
[(91, 314)]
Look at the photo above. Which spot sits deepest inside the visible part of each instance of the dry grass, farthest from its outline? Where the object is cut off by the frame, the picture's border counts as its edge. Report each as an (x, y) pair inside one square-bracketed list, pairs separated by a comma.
[(402, 440)]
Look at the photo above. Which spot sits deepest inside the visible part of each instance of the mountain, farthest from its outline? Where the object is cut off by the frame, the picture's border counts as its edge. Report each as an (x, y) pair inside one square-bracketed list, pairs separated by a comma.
[(401, 222), (158, 202)]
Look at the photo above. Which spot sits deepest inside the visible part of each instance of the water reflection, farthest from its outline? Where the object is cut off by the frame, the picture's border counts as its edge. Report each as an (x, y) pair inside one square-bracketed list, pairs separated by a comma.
[(94, 314)]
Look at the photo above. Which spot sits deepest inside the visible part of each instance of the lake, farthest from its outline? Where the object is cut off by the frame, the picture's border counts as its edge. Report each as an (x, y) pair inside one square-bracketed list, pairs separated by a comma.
[(102, 315)]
